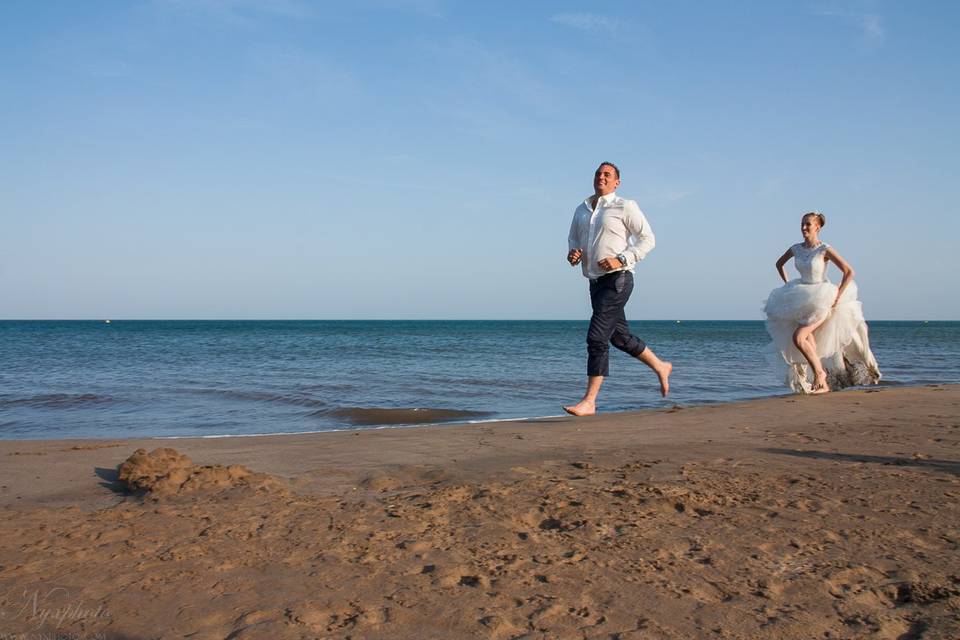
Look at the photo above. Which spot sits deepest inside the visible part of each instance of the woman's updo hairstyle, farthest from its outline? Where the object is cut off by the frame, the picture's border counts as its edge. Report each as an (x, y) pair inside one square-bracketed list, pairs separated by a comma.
[(822, 219)]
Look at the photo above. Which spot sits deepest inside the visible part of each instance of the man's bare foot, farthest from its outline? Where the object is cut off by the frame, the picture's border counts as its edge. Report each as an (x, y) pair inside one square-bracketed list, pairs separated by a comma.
[(664, 374), (582, 408)]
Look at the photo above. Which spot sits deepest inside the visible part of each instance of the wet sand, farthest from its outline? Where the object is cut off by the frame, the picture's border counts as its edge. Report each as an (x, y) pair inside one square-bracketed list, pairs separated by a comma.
[(799, 517)]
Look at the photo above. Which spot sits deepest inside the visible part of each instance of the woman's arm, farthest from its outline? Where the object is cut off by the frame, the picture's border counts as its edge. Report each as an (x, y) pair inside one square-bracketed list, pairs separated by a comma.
[(783, 261), (844, 266)]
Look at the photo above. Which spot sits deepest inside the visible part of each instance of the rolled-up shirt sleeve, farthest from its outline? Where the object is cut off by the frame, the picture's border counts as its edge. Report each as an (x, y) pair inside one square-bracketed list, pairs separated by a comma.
[(642, 240)]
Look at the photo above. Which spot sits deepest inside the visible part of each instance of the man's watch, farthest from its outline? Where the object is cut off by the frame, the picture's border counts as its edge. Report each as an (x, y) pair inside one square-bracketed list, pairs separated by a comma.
[(622, 258)]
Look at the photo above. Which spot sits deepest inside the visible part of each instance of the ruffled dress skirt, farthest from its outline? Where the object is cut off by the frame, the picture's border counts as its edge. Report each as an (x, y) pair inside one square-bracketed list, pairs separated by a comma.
[(842, 341)]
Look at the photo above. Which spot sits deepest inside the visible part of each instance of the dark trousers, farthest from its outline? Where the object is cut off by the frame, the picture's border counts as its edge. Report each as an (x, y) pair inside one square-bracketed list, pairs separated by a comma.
[(608, 324)]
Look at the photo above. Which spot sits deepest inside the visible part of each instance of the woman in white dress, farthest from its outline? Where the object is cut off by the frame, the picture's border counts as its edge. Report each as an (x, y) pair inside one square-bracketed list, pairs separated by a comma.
[(815, 323)]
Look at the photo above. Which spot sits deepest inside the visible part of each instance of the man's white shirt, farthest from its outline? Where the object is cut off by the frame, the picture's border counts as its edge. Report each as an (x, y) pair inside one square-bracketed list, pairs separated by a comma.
[(616, 227)]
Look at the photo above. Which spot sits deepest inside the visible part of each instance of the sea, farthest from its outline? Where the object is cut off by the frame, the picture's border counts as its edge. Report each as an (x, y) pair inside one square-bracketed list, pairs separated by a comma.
[(132, 378)]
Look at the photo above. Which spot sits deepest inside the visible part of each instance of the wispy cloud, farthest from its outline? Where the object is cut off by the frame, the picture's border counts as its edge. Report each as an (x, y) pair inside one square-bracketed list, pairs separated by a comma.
[(492, 90), (666, 195), (771, 186), (589, 22), (240, 11), (870, 26), (300, 75), (105, 67), (873, 29), (428, 8)]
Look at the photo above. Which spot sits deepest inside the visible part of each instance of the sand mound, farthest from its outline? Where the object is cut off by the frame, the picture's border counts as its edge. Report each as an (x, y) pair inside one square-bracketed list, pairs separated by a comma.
[(165, 472)]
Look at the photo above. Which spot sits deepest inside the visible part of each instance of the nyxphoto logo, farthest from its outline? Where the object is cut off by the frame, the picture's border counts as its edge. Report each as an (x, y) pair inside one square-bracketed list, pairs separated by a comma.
[(46, 609)]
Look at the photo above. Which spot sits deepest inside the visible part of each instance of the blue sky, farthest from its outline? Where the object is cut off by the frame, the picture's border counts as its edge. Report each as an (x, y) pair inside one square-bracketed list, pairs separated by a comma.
[(423, 158)]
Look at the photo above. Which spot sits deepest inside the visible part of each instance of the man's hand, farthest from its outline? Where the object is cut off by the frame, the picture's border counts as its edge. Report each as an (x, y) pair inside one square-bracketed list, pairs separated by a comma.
[(574, 257), (611, 263)]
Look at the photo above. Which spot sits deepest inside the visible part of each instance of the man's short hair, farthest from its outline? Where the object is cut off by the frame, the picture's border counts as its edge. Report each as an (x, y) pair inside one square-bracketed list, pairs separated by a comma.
[(616, 169)]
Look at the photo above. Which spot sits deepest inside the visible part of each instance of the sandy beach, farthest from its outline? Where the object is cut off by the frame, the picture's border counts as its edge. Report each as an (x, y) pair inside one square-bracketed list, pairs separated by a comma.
[(792, 517)]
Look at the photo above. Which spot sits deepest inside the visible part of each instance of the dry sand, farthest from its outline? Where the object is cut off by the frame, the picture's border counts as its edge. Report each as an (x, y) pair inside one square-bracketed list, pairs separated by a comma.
[(799, 517)]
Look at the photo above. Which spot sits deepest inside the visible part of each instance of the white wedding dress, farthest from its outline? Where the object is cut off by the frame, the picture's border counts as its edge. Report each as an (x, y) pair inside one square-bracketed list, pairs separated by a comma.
[(842, 342)]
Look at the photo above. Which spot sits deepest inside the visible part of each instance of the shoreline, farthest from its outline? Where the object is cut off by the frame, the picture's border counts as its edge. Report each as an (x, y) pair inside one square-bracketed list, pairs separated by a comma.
[(269, 452), (883, 385)]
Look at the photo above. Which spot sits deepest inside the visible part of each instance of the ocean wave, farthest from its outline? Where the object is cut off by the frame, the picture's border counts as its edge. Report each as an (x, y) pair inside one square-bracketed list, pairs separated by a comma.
[(261, 396), (56, 400), (380, 415)]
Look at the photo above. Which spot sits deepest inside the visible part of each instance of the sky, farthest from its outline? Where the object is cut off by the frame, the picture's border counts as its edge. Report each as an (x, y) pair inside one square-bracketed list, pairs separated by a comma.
[(422, 159)]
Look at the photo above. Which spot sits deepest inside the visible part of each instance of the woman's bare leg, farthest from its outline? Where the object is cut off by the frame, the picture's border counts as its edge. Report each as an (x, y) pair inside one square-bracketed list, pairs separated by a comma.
[(820, 382), (807, 344)]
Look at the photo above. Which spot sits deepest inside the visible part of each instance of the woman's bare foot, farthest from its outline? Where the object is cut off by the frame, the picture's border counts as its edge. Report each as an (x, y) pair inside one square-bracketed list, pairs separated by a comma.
[(582, 408), (820, 384)]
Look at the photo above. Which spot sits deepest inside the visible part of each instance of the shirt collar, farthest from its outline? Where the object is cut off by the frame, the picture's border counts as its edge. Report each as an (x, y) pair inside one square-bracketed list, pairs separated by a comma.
[(607, 199), (604, 200)]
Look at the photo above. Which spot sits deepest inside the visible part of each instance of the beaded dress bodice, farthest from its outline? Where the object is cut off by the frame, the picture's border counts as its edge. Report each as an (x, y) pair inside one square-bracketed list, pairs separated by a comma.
[(811, 262)]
